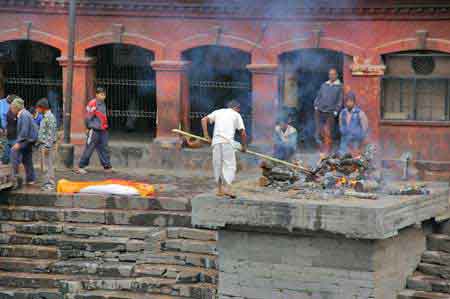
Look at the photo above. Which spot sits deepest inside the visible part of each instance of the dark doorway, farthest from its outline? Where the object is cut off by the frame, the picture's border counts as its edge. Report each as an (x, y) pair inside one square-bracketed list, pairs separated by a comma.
[(303, 72), (30, 70), (125, 72), (218, 75)]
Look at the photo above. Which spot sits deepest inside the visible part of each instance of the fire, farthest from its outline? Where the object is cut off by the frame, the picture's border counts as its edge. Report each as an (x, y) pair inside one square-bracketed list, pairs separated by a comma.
[(344, 181)]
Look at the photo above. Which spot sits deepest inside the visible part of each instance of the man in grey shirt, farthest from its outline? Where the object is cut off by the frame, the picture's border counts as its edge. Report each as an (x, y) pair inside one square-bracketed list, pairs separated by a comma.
[(27, 133), (327, 105)]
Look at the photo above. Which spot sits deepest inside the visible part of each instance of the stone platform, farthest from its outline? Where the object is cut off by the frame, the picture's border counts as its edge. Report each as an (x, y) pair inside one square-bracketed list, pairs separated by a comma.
[(135, 155), (276, 247)]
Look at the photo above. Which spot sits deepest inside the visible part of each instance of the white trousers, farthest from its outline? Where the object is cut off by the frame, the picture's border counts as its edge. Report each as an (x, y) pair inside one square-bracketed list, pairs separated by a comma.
[(224, 162)]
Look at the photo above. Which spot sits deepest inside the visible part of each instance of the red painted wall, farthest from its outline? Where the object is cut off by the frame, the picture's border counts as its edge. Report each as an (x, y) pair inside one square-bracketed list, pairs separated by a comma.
[(168, 37)]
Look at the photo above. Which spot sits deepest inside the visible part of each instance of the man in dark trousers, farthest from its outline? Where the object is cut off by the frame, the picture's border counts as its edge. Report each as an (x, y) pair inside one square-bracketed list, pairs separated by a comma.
[(97, 136), (27, 133), (327, 105)]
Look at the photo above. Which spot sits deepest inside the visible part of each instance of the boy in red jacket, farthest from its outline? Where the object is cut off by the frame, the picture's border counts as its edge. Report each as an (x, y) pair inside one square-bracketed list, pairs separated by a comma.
[(97, 137)]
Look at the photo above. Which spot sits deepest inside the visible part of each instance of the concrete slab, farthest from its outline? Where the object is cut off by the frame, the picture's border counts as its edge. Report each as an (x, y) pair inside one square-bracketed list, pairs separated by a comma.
[(353, 218)]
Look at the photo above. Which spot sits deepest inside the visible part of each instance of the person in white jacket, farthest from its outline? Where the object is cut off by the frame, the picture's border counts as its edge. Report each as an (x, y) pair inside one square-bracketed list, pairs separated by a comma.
[(226, 122)]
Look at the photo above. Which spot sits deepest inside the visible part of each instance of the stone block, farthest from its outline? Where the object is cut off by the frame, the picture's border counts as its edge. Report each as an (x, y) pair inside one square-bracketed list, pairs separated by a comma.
[(206, 247), (84, 216), (116, 269), (436, 257), (438, 242), (77, 230), (74, 267), (434, 270), (135, 245), (39, 228), (192, 234), (28, 251)]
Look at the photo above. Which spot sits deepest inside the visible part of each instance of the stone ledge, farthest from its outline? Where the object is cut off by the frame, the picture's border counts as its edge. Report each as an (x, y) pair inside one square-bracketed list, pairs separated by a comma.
[(359, 219)]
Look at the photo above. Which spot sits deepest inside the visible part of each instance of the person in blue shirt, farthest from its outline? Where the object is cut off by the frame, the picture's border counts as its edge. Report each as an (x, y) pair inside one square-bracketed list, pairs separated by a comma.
[(37, 116), (4, 108), (353, 126), (10, 139)]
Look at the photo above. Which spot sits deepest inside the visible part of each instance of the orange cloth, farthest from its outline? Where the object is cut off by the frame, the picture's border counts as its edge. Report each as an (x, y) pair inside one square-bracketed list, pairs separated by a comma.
[(66, 186)]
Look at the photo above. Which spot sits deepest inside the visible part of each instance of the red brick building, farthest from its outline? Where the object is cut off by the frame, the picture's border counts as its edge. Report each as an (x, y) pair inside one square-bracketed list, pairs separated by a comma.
[(167, 63)]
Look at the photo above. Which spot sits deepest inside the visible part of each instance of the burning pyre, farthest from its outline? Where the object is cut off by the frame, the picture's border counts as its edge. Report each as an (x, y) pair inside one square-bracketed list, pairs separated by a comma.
[(338, 175)]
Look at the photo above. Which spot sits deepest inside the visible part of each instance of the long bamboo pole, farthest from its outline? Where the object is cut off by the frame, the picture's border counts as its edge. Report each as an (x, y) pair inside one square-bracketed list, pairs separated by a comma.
[(262, 156)]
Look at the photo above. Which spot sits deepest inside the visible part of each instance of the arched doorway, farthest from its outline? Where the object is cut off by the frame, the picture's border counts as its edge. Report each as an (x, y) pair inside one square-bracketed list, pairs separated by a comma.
[(125, 71), (30, 70), (303, 71), (218, 75)]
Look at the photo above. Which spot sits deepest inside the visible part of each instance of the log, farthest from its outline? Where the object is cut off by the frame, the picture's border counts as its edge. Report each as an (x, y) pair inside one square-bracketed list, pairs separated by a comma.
[(361, 195), (262, 156), (366, 186)]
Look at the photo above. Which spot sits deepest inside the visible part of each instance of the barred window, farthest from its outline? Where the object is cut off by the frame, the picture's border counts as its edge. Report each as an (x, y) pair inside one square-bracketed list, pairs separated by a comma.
[(416, 87)]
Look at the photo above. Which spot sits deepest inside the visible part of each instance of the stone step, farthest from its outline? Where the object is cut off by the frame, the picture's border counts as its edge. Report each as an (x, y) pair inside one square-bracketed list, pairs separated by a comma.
[(28, 251), (412, 294), (92, 244), (191, 233), (86, 201), (428, 283), (438, 242), (7, 293), (185, 245), (436, 257), (32, 280), (99, 216), (93, 268), (147, 285), (120, 295), (152, 285), (78, 229), (31, 265), (434, 270), (181, 274), (207, 261)]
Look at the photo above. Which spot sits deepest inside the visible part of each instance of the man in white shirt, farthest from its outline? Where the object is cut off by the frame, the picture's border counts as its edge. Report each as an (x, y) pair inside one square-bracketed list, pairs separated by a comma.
[(226, 121), (284, 139)]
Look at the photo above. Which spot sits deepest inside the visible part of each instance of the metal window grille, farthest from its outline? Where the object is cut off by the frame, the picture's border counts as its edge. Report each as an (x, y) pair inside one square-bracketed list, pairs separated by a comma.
[(216, 76), (129, 80), (31, 71)]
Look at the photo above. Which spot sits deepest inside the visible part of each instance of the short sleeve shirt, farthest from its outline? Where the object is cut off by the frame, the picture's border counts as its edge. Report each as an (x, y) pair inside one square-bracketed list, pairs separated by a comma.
[(226, 122)]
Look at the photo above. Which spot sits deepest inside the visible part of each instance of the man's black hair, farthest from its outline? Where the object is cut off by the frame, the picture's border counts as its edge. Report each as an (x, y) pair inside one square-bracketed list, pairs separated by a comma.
[(100, 90), (43, 103), (234, 104), (351, 95)]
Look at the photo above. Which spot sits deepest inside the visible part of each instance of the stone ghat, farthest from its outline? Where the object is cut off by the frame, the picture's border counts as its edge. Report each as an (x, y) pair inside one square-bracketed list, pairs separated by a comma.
[(278, 247), (103, 247)]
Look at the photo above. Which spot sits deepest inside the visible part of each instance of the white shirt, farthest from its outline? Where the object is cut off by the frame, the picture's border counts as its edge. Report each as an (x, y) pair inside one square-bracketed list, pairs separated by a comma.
[(285, 135), (226, 122)]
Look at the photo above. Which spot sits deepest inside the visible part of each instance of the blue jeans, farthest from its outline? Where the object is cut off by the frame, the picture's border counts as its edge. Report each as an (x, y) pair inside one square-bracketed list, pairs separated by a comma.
[(96, 141), (350, 142), (283, 152), (24, 156), (6, 158)]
